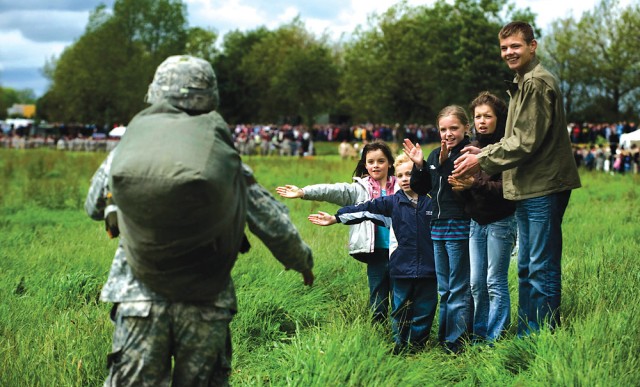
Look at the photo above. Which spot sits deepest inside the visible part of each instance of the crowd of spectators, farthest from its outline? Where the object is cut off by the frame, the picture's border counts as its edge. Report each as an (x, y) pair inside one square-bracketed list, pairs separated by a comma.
[(290, 140), (608, 158), (590, 133), (596, 145), (73, 137)]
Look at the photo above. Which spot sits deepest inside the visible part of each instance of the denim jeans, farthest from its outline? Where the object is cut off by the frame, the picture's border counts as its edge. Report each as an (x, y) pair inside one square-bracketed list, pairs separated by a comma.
[(413, 309), (490, 248), (379, 284), (452, 270), (539, 254)]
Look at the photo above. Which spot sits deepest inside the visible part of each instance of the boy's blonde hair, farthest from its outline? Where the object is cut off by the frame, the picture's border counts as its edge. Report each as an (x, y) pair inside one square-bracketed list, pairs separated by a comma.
[(401, 159)]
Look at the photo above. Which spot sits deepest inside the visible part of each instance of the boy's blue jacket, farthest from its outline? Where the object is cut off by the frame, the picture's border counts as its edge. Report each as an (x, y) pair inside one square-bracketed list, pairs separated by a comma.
[(413, 258)]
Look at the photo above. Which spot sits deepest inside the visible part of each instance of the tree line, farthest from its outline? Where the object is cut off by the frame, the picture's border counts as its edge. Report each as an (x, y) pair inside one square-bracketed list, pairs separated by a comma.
[(403, 66)]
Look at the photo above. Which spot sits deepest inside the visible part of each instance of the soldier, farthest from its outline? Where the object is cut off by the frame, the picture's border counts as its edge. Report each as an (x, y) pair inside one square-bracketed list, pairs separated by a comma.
[(151, 329)]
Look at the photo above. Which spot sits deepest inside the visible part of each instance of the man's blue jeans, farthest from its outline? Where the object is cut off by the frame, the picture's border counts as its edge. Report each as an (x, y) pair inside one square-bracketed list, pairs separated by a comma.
[(539, 255), (452, 270), (490, 248)]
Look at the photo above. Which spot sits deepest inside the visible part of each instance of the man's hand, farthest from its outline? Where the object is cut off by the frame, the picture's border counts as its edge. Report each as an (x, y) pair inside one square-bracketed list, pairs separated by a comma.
[(414, 152), (322, 219), (290, 192), (307, 277), (466, 165), (471, 149)]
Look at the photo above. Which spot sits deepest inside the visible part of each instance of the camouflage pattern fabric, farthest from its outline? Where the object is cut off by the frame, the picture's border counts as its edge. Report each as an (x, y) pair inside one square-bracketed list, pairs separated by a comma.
[(142, 316), (148, 334), (267, 218), (186, 82), (96, 200)]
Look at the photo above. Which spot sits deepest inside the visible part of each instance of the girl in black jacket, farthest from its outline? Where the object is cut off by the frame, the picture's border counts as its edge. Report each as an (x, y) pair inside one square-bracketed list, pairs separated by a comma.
[(449, 224)]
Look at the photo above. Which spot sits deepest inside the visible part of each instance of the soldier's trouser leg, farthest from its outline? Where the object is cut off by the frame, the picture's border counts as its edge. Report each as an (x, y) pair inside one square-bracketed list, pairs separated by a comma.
[(147, 335), (201, 345)]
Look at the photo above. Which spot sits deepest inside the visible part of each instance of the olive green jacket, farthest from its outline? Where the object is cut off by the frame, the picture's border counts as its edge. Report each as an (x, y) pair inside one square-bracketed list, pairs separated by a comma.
[(535, 155)]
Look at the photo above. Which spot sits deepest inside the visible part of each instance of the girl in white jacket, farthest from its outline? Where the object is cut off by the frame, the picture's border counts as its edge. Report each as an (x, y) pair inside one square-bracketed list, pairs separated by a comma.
[(368, 243)]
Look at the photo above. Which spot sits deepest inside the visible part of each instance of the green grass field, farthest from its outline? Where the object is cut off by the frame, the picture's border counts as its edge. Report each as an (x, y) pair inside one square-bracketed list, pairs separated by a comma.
[(54, 260)]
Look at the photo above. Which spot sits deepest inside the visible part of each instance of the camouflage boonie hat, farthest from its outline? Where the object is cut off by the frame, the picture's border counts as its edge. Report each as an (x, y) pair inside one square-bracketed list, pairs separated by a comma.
[(186, 82)]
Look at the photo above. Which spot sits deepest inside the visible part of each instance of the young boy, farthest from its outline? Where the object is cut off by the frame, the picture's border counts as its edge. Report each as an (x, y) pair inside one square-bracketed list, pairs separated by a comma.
[(411, 264)]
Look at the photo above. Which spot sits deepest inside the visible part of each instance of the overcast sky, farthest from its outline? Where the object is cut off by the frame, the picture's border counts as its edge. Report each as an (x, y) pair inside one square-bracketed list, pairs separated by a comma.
[(32, 31)]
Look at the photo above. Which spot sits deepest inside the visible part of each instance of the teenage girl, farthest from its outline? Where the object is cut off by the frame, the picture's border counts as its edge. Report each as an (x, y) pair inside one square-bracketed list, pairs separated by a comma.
[(493, 226), (368, 243), (449, 224)]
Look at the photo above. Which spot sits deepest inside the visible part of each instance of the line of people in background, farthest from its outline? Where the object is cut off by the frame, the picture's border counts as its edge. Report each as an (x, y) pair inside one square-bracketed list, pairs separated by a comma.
[(608, 158), (609, 132), (64, 143), (297, 140)]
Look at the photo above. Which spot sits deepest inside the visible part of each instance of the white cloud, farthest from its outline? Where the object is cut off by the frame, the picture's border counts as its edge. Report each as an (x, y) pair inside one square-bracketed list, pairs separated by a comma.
[(19, 52), (45, 25), (224, 16), (550, 10)]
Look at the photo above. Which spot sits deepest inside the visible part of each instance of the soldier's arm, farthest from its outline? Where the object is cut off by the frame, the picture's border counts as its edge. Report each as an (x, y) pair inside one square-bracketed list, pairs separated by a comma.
[(96, 200), (269, 220)]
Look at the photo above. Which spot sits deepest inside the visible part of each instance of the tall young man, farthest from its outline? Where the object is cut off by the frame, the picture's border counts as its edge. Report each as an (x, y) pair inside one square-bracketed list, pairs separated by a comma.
[(536, 161)]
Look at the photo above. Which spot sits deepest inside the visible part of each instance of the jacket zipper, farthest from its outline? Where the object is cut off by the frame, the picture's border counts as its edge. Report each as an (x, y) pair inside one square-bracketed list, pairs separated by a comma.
[(438, 197), (417, 215)]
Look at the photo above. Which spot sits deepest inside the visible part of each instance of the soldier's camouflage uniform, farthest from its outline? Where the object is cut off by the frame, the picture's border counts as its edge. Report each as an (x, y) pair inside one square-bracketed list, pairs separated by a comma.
[(149, 329)]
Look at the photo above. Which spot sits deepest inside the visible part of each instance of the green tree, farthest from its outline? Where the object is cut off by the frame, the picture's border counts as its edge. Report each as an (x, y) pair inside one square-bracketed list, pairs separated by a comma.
[(292, 73), (610, 39), (239, 99), (10, 96), (416, 60), (3, 105), (202, 43), (104, 75), (362, 75), (562, 51)]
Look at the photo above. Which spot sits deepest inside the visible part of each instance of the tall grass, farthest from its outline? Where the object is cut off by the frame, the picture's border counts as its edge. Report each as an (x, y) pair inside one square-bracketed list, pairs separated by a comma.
[(54, 260)]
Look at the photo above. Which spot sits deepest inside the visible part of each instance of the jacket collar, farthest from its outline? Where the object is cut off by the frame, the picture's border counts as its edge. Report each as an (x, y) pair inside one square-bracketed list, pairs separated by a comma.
[(465, 141), (512, 86), (405, 198)]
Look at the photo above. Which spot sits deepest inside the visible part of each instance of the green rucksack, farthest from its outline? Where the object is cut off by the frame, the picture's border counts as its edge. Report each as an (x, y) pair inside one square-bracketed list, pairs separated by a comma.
[(177, 181)]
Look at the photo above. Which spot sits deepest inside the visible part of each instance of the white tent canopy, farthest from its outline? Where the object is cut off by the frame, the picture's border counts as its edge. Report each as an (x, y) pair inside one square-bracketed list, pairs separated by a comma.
[(630, 138), (118, 131), (16, 123)]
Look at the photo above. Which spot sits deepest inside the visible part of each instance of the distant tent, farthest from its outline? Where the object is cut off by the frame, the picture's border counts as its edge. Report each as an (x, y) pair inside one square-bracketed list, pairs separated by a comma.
[(627, 139), (18, 122), (118, 131)]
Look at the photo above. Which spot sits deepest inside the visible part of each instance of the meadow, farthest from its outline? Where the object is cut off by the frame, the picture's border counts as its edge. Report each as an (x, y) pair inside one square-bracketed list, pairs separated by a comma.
[(54, 259)]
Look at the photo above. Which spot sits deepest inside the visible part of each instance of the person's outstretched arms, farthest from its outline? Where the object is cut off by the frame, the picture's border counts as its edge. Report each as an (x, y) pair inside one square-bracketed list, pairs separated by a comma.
[(269, 220), (377, 211), (322, 219), (342, 194), (290, 191)]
